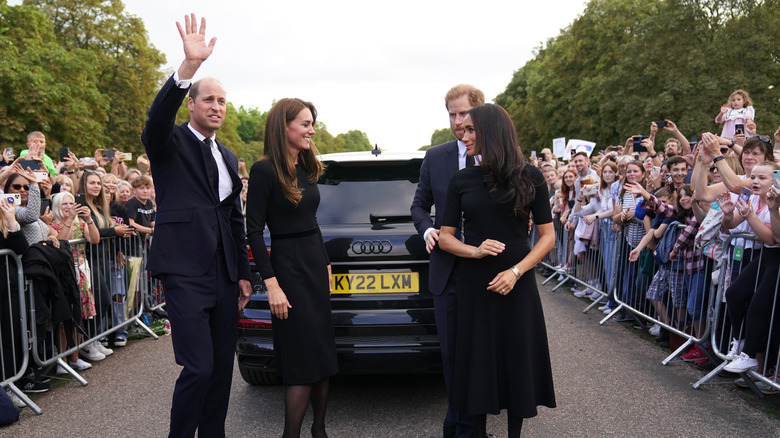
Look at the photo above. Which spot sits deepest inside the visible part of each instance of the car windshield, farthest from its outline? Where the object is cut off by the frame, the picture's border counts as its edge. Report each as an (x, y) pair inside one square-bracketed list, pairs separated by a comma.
[(367, 192)]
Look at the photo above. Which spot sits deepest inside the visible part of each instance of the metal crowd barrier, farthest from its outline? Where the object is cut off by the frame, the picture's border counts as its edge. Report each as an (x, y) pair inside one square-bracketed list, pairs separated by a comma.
[(603, 269), (116, 278), (14, 340), (739, 250)]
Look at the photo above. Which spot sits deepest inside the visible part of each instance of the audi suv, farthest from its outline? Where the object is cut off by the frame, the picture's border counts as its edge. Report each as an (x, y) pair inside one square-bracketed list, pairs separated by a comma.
[(382, 308)]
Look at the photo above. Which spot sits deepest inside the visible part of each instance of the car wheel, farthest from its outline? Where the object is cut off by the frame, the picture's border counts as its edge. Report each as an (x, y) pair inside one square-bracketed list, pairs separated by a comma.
[(258, 377)]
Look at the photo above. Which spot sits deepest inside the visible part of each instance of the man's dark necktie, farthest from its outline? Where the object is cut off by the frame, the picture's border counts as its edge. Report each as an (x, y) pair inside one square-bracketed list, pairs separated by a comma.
[(214, 174)]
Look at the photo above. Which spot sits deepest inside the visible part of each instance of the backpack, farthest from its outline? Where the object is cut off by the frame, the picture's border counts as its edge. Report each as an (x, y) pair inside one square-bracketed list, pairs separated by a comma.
[(708, 238)]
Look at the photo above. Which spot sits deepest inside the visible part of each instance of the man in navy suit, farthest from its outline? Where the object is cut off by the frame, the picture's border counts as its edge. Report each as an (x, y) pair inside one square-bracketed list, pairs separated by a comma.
[(199, 246), (440, 163)]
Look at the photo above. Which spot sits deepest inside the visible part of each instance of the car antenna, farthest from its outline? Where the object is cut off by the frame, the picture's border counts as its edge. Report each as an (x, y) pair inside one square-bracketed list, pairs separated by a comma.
[(376, 150)]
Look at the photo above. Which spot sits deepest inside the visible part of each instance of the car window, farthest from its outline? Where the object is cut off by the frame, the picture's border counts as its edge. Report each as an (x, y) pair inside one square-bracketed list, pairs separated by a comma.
[(366, 192)]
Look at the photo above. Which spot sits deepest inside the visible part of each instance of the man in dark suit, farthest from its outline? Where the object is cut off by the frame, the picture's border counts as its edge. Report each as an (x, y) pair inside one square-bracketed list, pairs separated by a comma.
[(199, 246), (440, 163)]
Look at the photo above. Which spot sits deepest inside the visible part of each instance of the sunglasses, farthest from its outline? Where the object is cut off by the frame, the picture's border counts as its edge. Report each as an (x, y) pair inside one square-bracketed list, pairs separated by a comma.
[(20, 187), (763, 138)]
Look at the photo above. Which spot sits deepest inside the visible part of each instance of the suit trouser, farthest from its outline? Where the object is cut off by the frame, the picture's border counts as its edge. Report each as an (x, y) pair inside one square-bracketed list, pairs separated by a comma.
[(203, 312), (445, 307)]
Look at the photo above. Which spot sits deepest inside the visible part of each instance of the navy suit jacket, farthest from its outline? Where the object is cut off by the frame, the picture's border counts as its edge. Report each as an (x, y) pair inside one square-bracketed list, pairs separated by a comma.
[(439, 164), (189, 212)]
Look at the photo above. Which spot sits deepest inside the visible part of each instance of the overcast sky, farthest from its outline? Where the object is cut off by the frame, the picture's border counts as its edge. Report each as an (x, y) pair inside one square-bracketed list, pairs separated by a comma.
[(379, 67)]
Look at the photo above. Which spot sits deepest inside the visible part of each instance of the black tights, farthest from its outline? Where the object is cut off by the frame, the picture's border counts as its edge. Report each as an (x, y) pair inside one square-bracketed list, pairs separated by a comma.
[(296, 402), (514, 426)]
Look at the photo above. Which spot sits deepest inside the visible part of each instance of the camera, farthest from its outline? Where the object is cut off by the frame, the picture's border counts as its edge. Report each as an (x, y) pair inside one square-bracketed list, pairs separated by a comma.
[(638, 144)]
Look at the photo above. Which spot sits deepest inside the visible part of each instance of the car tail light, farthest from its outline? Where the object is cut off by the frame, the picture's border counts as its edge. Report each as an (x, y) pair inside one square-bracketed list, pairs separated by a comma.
[(252, 265), (254, 323)]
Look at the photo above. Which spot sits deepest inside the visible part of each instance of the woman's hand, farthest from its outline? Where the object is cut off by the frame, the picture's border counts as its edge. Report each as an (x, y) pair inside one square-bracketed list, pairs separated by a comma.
[(773, 198), (634, 255), (83, 212), (627, 215), (589, 219), (53, 240), (636, 189), (673, 255), (47, 216), (743, 207), (504, 282), (725, 202), (330, 280), (9, 212), (277, 302), (124, 231), (488, 247), (568, 226)]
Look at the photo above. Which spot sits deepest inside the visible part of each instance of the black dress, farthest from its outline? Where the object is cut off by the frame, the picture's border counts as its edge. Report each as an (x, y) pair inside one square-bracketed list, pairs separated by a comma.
[(501, 358), (304, 343)]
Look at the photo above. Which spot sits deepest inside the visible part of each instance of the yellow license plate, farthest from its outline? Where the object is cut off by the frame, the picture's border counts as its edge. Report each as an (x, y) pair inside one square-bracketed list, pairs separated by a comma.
[(376, 283)]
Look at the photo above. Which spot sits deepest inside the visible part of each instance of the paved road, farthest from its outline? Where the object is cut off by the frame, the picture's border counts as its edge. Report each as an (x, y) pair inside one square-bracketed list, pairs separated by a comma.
[(609, 383)]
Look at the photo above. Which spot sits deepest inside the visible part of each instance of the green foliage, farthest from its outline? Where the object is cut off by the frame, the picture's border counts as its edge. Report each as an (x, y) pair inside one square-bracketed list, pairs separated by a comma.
[(438, 137), (626, 63), (46, 87), (124, 63)]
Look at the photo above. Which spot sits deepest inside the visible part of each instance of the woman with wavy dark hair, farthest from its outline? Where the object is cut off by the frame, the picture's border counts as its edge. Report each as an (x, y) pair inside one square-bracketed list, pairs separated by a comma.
[(283, 194), (501, 358)]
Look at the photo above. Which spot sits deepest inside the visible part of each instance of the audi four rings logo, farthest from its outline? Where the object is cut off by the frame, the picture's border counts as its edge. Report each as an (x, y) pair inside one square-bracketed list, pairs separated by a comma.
[(371, 246)]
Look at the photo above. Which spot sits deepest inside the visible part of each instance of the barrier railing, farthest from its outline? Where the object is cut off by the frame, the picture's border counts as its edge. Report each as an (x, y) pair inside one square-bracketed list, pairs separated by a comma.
[(651, 291), (753, 300), (14, 354), (110, 289)]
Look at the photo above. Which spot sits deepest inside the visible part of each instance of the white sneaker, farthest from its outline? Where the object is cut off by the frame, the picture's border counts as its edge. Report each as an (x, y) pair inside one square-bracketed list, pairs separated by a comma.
[(742, 363), (582, 293), (89, 352), (595, 296), (604, 307), (655, 330), (61, 370), (79, 365), (608, 310), (105, 350), (735, 348), (15, 399)]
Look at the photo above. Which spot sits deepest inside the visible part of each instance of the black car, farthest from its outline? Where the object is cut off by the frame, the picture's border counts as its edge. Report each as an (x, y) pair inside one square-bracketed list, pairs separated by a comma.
[(382, 308)]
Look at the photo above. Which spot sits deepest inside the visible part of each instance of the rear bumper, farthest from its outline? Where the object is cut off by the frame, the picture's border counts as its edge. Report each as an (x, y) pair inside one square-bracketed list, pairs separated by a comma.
[(390, 354)]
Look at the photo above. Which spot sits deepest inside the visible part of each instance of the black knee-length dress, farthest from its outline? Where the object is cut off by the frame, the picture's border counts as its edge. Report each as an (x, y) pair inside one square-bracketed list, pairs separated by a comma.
[(304, 343), (501, 359)]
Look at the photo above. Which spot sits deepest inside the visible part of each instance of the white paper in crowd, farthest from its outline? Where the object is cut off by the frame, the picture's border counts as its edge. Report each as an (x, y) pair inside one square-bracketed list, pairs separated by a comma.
[(580, 146), (559, 147)]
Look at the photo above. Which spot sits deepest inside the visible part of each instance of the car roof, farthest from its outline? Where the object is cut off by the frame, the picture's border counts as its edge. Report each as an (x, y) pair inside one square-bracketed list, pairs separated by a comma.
[(368, 156)]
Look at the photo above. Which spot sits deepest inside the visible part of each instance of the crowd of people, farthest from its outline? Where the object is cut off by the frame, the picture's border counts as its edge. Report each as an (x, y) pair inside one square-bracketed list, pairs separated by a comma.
[(87, 217), (646, 225)]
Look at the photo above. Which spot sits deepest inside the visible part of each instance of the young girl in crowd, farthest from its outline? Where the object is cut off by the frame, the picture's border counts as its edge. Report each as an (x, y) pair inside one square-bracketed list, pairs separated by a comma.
[(668, 278), (102, 255), (760, 275), (568, 194), (633, 232), (72, 222), (738, 110), (608, 178)]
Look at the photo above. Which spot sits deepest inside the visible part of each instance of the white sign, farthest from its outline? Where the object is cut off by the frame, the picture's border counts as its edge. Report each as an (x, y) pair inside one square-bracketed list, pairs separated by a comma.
[(559, 147), (574, 145)]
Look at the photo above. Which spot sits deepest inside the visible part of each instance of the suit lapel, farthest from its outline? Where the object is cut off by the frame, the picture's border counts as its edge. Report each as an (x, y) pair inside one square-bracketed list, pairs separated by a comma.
[(452, 159)]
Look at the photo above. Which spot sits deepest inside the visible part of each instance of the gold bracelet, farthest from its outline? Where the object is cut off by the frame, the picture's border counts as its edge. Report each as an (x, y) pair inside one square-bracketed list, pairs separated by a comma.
[(516, 272)]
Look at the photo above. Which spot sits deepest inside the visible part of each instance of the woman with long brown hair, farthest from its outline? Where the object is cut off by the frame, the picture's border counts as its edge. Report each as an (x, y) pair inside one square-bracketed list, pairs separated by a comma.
[(283, 194), (501, 359)]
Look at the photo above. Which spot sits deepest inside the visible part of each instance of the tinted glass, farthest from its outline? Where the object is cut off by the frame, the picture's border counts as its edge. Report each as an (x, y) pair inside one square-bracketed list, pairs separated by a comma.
[(368, 191)]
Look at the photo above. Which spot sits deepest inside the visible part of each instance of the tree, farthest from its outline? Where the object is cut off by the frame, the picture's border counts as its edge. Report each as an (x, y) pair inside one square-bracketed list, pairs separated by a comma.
[(46, 87), (625, 63), (353, 141), (125, 63)]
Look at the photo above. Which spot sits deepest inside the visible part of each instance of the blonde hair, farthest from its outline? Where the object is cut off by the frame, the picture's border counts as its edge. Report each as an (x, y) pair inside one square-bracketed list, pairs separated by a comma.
[(745, 97)]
